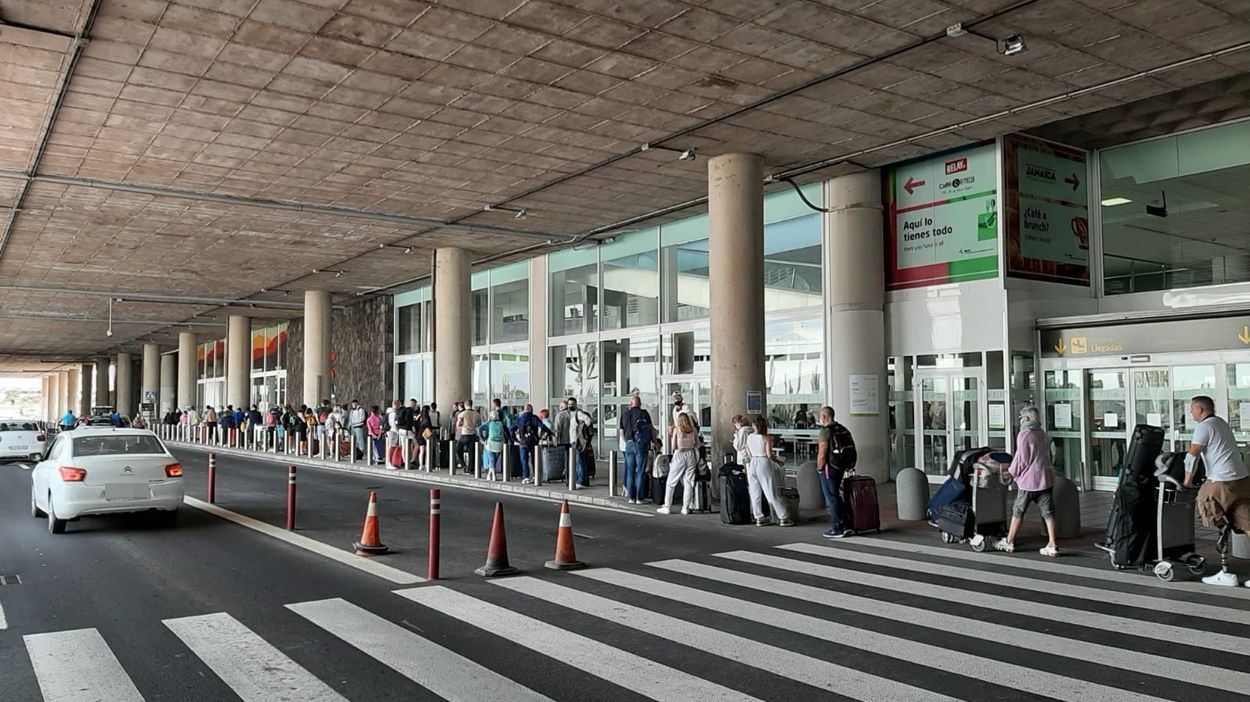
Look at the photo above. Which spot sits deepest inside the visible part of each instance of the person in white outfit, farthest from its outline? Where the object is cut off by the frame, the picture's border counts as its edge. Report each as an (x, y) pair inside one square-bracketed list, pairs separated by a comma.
[(761, 474), (683, 466), (742, 430)]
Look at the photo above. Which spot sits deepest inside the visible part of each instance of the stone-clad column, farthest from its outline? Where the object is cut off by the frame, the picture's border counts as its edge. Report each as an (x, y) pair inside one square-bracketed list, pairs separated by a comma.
[(316, 347), (239, 361), (735, 189)]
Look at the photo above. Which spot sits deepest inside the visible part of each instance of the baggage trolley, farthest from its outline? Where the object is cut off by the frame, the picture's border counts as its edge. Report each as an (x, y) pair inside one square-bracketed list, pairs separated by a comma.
[(1174, 535), (990, 485)]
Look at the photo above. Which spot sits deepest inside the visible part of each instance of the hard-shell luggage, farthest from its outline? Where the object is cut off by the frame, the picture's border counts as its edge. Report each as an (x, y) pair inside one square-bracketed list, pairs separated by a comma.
[(395, 458), (702, 500), (659, 467), (554, 460), (659, 485), (735, 498), (953, 489), (860, 494), (956, 518)]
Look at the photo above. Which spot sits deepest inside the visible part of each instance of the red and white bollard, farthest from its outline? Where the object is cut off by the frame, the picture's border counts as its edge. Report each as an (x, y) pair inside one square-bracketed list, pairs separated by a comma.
[(436, 502), (212, 478), (290, 498)]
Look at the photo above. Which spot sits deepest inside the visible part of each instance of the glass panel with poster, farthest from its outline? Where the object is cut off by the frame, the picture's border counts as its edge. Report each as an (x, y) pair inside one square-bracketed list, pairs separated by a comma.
[(1063, 416), (1108, 438)]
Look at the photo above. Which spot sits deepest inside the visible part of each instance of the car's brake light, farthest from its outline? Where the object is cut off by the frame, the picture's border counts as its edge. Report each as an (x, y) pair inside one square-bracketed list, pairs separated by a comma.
[(41, 437), (173, 470), (70, 474)]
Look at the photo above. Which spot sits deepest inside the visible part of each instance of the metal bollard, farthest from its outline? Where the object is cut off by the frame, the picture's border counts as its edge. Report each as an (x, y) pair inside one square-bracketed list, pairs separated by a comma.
[(436, 507), (405, 450), (477, 461), (351, 448), (334, 444), (290, 498), (507, 461), (613, 459), (538, 464), (212, 478), (571, 467)]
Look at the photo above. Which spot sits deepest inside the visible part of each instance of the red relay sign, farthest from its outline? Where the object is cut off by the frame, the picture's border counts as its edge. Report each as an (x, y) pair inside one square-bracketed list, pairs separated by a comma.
[(957, 165)]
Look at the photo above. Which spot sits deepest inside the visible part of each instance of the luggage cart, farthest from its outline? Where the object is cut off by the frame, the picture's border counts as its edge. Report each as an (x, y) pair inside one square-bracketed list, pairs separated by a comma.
[(1174, 535), (990, 485)]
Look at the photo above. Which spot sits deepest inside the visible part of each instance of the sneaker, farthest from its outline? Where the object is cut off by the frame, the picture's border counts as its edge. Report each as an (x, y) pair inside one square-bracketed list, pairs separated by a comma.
[(526, 481), (1049, 551), (762, 521), (835, 534), (1004, 545), (665, 510), (685, 510), (1222, 578), (786, 523)]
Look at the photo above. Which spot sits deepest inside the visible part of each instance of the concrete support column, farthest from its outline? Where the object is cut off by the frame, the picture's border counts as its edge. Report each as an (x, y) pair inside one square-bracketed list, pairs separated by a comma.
[(45, 404), (125, 403), (540, 387), (187, 372), (66, 397), (86, 379), (316, 347), (239, 361), (54, 397), (169, 383), (855, 292), (735, 186), (101, 382), (71, 390), (151, 377), (453, 364)]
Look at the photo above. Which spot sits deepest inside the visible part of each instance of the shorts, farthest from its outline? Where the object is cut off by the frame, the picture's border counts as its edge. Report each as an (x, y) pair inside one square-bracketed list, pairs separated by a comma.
[(1220, 502), (1044, 499)]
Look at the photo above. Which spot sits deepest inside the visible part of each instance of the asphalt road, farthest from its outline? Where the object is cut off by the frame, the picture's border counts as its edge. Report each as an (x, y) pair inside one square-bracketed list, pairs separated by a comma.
[(674, 608)]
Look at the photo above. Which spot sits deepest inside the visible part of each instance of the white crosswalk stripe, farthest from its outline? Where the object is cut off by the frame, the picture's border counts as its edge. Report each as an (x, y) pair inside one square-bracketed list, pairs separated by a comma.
[(1081, 617), (439, 670), (787, 664), (253, 668), (1077, 649), (907, 646), (628, 670), (1054, 567), (78, 666), (1111, 597), (1016, 676)]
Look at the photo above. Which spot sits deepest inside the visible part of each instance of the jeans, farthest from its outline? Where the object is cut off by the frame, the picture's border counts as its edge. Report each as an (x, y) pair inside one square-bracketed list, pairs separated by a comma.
[(831, 487), (582, 458), (635, 462), (379, 448), (464, 451), (526, 452)]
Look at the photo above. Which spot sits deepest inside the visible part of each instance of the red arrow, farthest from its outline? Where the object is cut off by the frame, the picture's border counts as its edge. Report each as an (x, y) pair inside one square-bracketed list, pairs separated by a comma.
[(1073, 181), (911, 184)]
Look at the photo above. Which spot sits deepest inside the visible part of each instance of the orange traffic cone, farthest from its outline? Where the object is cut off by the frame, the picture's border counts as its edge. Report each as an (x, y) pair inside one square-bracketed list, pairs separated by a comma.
[(370, 543), (497, 553), (565, 558)]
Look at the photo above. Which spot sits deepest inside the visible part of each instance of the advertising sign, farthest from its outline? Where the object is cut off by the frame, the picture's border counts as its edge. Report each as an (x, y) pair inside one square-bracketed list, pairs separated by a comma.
[(943, 218), (1047, 214)]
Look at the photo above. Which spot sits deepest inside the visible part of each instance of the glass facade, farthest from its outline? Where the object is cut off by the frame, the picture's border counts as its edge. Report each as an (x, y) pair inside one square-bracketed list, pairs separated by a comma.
[(269, 344), (1173, 210)]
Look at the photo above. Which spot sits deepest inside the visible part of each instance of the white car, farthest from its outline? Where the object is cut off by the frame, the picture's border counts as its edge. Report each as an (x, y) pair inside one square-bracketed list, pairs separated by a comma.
[(21, 438), (105, 471)]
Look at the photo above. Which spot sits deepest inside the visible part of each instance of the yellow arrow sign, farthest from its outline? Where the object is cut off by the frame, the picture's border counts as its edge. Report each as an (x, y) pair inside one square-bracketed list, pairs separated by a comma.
[(1060, 347), (1245, 334)]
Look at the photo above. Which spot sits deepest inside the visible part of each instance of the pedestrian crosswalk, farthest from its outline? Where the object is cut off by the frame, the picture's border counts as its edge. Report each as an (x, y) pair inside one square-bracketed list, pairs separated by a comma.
[(868, 619)]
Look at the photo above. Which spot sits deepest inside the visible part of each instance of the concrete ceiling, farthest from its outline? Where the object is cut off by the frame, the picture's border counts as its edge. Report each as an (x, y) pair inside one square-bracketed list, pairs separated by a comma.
[(226, 149)]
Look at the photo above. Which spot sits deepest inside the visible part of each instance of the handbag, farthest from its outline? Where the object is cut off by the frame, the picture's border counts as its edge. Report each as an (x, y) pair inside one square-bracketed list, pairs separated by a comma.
[(427, 433)]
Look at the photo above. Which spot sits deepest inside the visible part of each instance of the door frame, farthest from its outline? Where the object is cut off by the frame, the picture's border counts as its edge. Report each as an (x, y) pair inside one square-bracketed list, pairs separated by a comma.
[(666, 392), (948, 372)]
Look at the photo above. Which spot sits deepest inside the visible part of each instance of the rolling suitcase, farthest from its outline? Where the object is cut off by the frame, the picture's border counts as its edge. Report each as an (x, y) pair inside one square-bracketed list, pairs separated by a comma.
[(659, 485), (554, 459), (790, 496), (395, 458), (956, 518), (953, 489), (860, 495), (702, 500), (735, 498)]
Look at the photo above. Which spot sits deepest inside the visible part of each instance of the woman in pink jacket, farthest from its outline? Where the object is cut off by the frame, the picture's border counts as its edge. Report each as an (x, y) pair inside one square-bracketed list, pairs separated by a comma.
[(1035, 481)]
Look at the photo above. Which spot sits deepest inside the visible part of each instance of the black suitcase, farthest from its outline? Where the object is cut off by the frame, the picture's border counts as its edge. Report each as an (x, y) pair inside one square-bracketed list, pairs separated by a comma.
[(956, 518), (859, 492), (1143, 449), (735, 498), (554, 459), (702, 500), (1132, 530), (659, 485)]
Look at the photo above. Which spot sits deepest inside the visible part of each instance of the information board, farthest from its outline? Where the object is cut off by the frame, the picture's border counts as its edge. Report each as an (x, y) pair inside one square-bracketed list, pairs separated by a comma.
[(943, 218), (1047, 214)]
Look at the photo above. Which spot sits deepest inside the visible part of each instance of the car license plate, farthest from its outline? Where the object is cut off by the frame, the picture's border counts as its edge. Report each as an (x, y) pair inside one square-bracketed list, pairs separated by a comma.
[(126, 491), (19, 448)]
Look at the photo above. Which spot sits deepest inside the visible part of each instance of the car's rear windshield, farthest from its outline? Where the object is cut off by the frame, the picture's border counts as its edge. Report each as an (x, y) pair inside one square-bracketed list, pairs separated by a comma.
[(18, 426), (113, 444)]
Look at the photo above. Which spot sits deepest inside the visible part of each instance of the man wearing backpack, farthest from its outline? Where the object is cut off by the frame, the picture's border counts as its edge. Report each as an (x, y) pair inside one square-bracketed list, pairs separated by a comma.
[(527, 430), (835, 454), (636, 431)]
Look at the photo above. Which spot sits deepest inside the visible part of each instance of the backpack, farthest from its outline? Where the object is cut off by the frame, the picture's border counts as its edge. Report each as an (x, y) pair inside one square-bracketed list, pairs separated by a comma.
[(405, 419), (529, 430), (644, 431), (841, 450)]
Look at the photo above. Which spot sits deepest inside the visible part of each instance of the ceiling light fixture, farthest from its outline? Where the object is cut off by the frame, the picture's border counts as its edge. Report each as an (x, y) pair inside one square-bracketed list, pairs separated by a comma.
[(1010, 46), (682, 154), (1113, 201), (407, 249), (337, 274), (517, 212)]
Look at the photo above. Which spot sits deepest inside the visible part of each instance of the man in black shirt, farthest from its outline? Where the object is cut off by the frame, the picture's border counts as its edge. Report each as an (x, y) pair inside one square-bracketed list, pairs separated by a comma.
[(636, 431)]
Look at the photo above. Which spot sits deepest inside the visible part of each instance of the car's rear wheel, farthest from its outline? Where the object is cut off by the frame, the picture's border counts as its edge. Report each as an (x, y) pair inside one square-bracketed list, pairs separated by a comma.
[(55, 526), (34, 507)]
